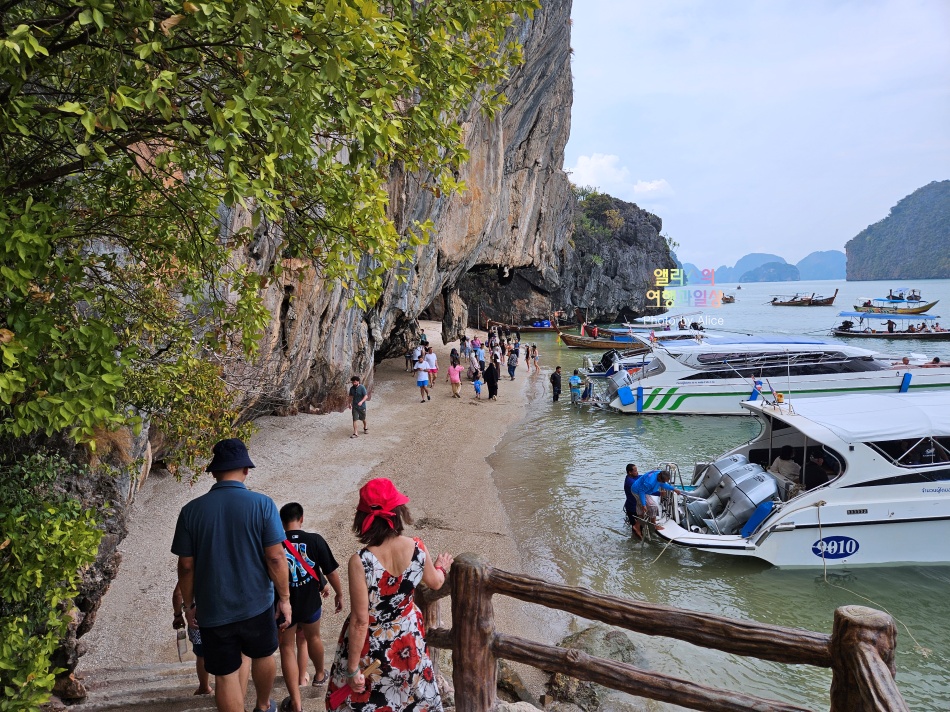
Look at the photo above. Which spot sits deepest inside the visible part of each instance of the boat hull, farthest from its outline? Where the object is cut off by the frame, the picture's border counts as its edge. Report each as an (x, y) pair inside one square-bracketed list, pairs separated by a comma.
[(895, 310), (896, 335), (843, 532), (808, 302), (587, 342), (726, 398)]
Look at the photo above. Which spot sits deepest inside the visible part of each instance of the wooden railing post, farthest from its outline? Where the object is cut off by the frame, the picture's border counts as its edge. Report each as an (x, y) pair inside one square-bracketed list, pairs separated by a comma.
[(863, 642), (473, 623)]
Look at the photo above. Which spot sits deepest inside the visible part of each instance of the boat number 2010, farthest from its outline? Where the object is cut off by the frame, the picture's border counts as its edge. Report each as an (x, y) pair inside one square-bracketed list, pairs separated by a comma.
[(835, 547)]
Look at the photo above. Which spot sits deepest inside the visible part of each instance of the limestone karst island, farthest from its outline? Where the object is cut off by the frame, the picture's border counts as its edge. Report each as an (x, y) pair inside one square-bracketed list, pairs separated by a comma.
[(479, 356)]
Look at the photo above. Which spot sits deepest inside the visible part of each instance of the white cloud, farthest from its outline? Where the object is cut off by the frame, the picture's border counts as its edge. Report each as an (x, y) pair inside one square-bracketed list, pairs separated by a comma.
[(605, 173)]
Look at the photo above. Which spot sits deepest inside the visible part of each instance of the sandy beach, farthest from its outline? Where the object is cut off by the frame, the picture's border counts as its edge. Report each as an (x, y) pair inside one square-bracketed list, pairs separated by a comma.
[(436, 452)]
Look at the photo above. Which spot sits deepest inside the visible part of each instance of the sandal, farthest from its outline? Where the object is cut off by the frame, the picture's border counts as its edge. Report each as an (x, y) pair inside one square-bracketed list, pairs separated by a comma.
[(365, 431), (354, 435), (286, 705), (271, 707), (320, 682)]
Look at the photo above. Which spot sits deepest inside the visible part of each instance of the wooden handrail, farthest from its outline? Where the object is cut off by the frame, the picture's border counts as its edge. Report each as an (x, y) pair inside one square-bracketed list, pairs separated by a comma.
[(739, 637), (628, 678), (860, 651)]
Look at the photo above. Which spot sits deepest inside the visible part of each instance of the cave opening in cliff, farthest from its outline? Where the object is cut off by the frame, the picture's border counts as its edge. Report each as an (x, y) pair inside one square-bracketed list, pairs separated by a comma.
[(287, 317)]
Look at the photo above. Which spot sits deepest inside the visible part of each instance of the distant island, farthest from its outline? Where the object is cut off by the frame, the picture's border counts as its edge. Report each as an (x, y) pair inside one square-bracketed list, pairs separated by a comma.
[(912, 242), (765, 267)]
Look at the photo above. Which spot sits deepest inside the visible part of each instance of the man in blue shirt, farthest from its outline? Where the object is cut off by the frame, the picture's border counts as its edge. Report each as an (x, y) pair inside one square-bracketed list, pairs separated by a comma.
[(575, 383), (229, 544), (641, 495)]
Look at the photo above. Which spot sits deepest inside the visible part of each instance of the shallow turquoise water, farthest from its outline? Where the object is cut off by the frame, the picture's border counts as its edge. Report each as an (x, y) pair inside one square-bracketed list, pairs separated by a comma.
[(560, 473)]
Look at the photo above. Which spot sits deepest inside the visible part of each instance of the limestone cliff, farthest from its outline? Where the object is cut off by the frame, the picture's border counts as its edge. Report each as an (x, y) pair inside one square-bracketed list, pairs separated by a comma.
[(910, 243), (604, 271), (516, 213)]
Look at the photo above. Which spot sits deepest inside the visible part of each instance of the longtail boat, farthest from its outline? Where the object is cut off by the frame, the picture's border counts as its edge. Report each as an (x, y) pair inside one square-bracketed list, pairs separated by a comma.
[(892, 326), (588, 342), (524, 329), (887, 305), (802, 300)]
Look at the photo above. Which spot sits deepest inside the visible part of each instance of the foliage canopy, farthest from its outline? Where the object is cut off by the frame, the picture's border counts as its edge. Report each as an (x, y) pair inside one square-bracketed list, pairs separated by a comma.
[(126, 125)]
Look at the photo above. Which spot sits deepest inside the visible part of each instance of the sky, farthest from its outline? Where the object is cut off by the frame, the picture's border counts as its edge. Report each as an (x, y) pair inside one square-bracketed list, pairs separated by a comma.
[(760, 125)]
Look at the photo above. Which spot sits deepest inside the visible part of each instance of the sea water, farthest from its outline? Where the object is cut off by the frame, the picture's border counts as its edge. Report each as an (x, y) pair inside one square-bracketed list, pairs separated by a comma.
[(560, 473)]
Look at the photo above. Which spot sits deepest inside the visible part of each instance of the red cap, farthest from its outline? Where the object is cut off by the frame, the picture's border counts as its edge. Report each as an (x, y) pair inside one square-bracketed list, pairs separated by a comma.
[(378, 498)]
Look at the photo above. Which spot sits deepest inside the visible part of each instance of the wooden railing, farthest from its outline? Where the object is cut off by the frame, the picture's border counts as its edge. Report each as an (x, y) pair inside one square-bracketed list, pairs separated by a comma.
[(859, 651)]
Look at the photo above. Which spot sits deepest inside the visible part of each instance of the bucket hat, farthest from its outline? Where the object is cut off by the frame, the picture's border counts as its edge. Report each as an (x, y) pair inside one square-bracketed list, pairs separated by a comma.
[(229, 454)]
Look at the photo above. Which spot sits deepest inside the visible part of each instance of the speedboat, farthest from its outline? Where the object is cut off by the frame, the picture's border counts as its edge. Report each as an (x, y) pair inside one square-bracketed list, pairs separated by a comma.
[(882, 495), (714, 377)]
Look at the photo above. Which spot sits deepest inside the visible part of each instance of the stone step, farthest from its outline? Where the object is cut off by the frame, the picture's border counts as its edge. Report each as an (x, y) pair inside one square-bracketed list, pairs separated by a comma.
[(166, 688)]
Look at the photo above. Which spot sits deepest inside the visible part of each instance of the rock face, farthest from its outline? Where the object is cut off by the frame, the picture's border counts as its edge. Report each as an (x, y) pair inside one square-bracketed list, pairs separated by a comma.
[(771, 272), (824, 264), (912, 242), (516, 213), (745, 264), (605, 270)]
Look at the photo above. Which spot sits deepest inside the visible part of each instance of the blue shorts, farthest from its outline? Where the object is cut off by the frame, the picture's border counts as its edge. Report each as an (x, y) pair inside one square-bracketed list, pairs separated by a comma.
[(422, 383)]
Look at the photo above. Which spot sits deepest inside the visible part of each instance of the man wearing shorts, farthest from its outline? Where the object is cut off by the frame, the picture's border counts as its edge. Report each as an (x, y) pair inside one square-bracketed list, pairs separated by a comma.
[(229, 544), (358, 396), (305, 599)]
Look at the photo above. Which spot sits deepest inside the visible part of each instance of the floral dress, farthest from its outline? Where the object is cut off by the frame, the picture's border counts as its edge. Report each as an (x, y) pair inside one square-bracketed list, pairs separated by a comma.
[(395, 638)]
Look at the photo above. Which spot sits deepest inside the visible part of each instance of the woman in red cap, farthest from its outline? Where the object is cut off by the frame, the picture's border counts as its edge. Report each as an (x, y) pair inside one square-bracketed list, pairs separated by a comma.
[(384, 623)]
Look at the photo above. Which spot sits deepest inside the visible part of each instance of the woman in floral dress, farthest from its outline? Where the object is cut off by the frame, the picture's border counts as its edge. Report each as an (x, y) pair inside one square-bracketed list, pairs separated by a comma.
[(384, 623)]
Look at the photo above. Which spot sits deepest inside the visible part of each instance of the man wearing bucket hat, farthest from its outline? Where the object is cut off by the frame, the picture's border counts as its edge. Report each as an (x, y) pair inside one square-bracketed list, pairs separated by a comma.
[(231, 559)]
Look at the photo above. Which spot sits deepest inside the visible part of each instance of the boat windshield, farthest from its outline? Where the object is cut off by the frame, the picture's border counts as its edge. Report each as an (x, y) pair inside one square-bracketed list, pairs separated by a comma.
[(920, 452)]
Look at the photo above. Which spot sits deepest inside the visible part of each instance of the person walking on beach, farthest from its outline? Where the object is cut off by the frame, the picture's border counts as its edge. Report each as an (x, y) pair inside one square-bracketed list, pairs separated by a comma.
[(385, 625), (477, 383), (422, 377), (535, 359), (512, 364), (229, 544), (433, 362), (357, 404), (454, 376), (311, 568), (555, 379), (491, 378)]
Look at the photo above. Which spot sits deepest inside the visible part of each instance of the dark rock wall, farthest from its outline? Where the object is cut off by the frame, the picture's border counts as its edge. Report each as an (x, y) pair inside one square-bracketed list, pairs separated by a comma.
[(603, 273)]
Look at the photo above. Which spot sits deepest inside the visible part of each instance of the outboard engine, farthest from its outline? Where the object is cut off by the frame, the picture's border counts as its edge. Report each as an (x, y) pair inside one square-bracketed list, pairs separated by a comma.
[(617, 381), (713, 504), (713, 474), (748, 494)]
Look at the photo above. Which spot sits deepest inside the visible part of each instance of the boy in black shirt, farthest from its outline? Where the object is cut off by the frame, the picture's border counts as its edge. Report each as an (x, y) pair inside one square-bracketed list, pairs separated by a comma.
[(307, 554)]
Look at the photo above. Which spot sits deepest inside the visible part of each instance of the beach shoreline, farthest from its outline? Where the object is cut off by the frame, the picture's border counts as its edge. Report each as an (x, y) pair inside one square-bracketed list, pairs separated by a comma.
[(436, 452)]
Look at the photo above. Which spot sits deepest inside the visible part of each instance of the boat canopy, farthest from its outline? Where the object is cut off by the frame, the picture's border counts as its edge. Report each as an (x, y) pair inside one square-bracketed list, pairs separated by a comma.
[(870, 417), (663, 318), (719, 338), (895, 317)]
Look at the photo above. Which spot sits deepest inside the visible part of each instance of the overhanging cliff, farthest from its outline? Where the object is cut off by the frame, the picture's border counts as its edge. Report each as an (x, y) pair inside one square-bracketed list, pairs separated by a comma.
[(515, 213)]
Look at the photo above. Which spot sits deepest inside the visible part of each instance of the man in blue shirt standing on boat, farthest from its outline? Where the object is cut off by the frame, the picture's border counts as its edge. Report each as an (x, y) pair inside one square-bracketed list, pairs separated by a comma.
[(641, 492)]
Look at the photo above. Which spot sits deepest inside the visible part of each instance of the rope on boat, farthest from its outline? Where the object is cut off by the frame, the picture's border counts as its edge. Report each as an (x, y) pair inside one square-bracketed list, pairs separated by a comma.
[(925, 652)]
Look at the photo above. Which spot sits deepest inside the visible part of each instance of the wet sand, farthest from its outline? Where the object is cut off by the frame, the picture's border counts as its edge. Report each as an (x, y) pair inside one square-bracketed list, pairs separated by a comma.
[(435, 452)]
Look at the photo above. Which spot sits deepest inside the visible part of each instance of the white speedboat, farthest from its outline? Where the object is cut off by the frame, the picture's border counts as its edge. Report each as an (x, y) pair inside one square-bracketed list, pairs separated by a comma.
[(715, 376), (882, 498)]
